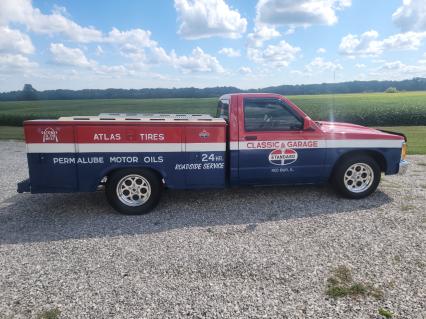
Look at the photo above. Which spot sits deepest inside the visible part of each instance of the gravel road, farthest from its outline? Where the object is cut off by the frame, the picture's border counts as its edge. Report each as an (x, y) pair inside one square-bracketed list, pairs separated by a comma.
[(240, 253)]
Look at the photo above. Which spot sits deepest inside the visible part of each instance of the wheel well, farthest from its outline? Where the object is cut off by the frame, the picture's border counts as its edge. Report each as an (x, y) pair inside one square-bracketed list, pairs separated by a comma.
[(156, 172), (377, 156)]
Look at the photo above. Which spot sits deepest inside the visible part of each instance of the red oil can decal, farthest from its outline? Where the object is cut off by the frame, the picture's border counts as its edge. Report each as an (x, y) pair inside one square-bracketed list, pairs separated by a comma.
[(283, 156)]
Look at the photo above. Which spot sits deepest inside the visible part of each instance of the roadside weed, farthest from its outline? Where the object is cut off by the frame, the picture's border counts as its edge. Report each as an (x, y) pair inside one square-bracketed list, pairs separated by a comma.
[(341, 284), (53, 313)]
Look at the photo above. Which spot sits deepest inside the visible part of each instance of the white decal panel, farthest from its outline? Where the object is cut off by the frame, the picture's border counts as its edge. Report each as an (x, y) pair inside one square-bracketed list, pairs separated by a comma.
[(283, 156)]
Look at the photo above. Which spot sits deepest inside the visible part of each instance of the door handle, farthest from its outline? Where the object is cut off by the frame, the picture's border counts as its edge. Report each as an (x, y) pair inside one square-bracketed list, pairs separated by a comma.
[(250, 138)]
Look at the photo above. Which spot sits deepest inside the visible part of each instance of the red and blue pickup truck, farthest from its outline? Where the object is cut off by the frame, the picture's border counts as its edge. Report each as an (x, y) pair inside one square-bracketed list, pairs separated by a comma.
[(256, 139)]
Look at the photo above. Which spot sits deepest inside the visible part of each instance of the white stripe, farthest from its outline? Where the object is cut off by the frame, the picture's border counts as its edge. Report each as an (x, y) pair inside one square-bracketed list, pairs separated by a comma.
[(122, 147), (205, 147), (51, 148), (364, 143), (371, 143), (194, 147)]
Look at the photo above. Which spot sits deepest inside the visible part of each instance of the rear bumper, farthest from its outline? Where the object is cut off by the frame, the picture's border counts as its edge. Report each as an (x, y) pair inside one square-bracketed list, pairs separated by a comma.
[(403, 166), (24, 186)]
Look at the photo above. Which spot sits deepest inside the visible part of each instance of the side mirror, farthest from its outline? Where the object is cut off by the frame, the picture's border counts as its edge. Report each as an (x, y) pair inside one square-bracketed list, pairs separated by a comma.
[(308, 124)]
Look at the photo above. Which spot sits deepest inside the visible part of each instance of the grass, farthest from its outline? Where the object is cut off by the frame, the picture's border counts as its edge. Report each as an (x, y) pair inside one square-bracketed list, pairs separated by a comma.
[(380, 109), (11, 133), (341, 284), (416, 136), (385, 313), (49, 314)]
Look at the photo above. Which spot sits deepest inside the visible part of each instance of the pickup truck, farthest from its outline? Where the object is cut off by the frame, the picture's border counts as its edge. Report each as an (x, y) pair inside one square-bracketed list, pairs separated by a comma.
[(256, 139)]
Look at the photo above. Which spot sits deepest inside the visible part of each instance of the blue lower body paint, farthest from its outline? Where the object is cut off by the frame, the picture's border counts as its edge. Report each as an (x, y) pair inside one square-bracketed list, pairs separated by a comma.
[(83, 172)]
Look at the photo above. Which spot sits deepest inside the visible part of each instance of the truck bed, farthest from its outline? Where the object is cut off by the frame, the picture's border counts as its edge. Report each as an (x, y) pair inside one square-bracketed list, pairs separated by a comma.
[(76, 153)]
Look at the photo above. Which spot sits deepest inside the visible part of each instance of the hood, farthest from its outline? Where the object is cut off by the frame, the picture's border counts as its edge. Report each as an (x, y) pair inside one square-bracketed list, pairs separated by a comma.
[(355, 131)]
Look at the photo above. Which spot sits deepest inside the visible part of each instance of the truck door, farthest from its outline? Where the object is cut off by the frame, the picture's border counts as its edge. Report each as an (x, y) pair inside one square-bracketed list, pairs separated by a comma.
[(273, 146)]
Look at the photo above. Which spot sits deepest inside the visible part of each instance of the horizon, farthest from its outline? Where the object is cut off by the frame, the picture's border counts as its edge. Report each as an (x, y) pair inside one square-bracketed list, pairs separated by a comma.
[(211, 87), (73, 45)]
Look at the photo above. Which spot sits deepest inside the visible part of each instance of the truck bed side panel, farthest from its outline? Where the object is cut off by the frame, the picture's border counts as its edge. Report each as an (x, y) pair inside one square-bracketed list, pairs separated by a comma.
[(76, 157), (206, 150)]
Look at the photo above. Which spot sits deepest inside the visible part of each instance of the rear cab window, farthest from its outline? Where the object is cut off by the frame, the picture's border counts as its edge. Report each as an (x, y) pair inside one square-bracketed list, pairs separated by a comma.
[(223, 109)]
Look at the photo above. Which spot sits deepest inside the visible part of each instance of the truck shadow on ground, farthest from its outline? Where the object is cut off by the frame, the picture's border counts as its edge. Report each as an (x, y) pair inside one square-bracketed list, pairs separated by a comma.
[(52, 217)]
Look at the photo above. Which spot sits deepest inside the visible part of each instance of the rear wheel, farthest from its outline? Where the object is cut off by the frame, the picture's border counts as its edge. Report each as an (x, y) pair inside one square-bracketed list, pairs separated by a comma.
[(357, 176), (133, 191)]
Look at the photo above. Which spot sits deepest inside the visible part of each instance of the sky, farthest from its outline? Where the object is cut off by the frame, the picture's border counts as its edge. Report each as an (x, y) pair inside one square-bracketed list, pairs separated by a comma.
[(76, 44)]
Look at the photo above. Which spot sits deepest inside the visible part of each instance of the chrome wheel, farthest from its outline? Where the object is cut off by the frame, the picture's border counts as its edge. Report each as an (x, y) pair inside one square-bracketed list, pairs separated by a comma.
[(358, 177), (133, 190)]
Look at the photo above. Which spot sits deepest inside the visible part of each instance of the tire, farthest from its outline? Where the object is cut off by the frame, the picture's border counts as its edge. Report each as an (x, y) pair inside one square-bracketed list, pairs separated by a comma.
[(133, 191), (357, 176)]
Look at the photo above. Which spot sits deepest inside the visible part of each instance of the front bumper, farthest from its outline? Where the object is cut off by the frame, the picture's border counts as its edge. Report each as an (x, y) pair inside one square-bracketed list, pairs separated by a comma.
[(403, 166)]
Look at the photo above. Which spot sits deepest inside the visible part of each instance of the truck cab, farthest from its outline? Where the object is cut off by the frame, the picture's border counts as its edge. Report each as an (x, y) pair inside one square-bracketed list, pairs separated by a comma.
[(272, 141)]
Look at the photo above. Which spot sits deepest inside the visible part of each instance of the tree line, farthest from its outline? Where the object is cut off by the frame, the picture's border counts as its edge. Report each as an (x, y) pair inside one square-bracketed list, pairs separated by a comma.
[(30, 93)]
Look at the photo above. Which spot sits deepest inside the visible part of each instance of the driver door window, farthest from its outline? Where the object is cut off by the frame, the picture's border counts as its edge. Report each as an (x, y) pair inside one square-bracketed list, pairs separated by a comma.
[(270, 115)]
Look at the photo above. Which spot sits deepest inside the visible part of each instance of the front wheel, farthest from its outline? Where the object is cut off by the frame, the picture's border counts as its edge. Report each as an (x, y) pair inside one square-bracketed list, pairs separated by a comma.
[(133, 191), (357, 177)]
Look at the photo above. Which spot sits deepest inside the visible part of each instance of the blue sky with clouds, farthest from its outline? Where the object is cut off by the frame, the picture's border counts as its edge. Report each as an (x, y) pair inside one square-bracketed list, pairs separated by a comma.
[(76, 44)]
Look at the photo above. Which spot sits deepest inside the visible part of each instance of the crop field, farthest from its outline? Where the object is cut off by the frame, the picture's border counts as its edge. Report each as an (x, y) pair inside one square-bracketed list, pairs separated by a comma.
[(406, 110), (385, 109)]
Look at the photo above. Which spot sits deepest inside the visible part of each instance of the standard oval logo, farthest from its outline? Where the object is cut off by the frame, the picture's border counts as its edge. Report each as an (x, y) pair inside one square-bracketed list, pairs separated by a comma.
[(283, 157)]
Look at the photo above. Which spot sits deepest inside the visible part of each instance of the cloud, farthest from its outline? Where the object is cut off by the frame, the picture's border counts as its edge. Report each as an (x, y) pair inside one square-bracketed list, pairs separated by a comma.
[(230, 52), (321, 51), (198, 61), (75, 57), (319, 65), (245, 70), (137, 37), (399, 70), (70, 56), (411, 16), (367, 44), (14, 41), (134, 44), (22, 11), (360, 66), (404, 41), (113, 70), (280, 55), (207, 18), (271, 14), (299, 13), (10, 63), (260, 34)]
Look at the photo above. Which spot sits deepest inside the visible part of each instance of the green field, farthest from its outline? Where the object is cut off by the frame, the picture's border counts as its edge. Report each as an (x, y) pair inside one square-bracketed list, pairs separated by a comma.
[(416, 136), (405, 110), (380, 109), (11, 133)]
